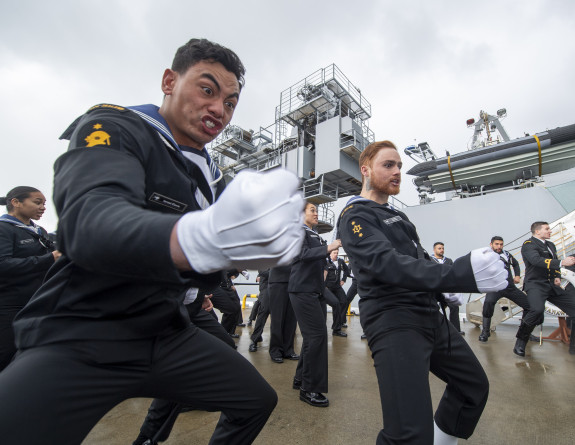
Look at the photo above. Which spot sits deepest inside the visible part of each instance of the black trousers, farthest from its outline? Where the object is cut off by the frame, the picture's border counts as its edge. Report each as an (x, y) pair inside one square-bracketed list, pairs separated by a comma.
[(283, 323), (263, 314), (350, 295), (344, 301), (255, 309), (311, 312), (334, 301), (511, 292), (228, 303), (537, 293), (81, 381), (7, 346), (454, 316), (162, 414), (403, 356)]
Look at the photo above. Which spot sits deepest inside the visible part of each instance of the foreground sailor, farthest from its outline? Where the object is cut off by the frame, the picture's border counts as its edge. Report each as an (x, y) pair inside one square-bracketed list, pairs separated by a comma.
[(136, 232), (399, 287), (542, 282), (511, 291)]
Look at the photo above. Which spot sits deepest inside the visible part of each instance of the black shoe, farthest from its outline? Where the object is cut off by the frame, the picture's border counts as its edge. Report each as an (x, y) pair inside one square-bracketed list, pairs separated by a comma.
[(241, 325), (235, 335), (259, 339), (253, 347), (486, 330), (344, 325), (296, 383), (249, 325), (143, 440), (462, 333), (293, 356), (363, 336), (519, 348), (187, 409), (339, 334), (533, 338), (313, 398), (277, 360)]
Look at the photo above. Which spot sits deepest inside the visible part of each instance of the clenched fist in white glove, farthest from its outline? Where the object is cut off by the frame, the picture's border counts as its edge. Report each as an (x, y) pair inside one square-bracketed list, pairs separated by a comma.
[(255, 224), (568, 275), (452, 298), (488, 269)]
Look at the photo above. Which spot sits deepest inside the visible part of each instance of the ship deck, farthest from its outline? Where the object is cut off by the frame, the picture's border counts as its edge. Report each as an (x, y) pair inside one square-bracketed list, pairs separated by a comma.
[(531, 401)]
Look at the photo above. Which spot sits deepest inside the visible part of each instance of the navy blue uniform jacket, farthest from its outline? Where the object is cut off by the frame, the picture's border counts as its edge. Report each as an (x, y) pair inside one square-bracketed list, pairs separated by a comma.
[(390, 265), (118, 191), (307, 268), (541, 262), (24, 262)]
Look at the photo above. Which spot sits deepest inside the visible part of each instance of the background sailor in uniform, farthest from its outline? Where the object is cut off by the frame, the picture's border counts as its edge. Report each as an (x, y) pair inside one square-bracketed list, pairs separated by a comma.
[(263, 312), (439, 257), (26, 254), (306, 287), (256, 306), (542, 282), (226, 300), (511, 291), (136, 232), (240, 322), (352, 292), (399, 287), (334, 295), (284, 323), (337, 273)]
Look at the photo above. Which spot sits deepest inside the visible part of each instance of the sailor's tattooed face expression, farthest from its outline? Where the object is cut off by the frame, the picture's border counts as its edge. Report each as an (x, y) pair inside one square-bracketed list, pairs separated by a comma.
[(199, 103)]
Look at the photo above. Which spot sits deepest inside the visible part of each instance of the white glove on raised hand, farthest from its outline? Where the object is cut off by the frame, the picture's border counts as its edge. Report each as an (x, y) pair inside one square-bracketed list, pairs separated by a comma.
[(488, 269), (255, 224), (456, 299), (568, 275)]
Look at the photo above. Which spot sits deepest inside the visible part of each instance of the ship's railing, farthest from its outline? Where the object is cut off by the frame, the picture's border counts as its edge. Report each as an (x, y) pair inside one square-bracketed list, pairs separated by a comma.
[(324, 85)]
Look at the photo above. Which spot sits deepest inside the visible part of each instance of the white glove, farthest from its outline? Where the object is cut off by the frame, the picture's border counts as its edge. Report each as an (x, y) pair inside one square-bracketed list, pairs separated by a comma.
[(488, 269), (566, 274), (246, 274), (255, 224), (456, 299)]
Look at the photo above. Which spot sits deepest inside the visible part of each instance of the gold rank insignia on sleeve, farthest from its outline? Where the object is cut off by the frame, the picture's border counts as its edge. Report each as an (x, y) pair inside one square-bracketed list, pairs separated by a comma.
[(97, 137), (356, 229)]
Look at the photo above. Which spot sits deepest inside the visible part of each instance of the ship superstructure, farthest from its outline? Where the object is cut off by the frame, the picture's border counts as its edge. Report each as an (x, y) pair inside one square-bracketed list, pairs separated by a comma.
[(320, 129)]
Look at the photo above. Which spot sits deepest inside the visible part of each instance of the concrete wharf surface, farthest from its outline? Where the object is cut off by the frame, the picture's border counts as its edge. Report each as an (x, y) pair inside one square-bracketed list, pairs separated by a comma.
[(531, 401)]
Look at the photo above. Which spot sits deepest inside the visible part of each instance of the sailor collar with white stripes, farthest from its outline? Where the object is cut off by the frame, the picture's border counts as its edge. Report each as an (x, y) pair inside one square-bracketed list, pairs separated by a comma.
[(201, 158)]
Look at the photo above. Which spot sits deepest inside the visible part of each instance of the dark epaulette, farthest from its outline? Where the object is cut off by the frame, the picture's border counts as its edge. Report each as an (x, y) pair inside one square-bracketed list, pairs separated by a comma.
[(108, 107), (345, 210), (70, 130)]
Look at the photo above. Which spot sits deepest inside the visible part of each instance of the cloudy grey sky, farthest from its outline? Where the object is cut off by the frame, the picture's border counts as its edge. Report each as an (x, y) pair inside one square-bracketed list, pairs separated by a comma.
[(425, 66)]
